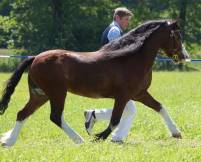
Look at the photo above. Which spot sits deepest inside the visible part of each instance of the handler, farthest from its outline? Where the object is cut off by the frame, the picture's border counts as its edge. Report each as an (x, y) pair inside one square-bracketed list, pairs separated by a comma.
[(115, 30)]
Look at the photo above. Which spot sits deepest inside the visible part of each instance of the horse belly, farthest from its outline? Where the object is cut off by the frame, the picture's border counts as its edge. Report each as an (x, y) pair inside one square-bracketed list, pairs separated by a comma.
[(87, 92), (93, 88)]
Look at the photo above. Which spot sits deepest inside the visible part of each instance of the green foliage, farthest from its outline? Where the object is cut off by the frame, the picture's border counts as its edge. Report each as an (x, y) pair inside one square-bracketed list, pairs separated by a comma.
[(148, 140), (77, 25), (187, 12), (34, 24), (7, 32), (5, 7), (7, 65)]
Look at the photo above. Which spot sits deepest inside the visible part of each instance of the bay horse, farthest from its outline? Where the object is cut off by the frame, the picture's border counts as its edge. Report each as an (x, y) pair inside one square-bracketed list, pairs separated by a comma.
[(121, 70)]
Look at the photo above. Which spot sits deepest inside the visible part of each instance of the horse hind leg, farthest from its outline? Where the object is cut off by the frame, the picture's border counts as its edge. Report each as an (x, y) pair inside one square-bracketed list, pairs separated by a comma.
[(149, 101), (9, 138), (57, 117)]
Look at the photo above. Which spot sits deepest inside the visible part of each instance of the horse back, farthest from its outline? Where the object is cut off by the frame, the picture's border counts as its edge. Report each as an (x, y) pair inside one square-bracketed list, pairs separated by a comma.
[(81, 73)]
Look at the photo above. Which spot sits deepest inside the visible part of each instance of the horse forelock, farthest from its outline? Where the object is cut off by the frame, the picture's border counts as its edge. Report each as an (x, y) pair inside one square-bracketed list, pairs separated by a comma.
[(133, 40)]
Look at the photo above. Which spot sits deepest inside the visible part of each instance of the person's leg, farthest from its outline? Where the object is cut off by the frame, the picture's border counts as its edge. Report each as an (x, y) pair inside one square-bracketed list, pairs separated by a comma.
[(103, 114), (122, 130), (91, 116)]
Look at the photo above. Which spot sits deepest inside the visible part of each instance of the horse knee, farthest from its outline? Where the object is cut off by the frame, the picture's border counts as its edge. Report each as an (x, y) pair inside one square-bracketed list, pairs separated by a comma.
[(56, 119)]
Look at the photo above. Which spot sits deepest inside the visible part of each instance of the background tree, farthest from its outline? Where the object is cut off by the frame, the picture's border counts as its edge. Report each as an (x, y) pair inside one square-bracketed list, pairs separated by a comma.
[(50, 24), (77, 25)]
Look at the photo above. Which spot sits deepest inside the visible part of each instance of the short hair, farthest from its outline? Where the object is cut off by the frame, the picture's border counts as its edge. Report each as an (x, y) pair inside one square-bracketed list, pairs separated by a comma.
[(121, 12)]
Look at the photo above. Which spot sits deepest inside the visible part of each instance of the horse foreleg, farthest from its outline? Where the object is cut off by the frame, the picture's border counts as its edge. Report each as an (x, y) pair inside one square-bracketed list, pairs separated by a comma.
[(149, 101), (9, 138), (119, 106)]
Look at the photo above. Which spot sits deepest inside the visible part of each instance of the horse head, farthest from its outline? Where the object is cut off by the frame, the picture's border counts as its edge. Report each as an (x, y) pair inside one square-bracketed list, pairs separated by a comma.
[(173, 46)]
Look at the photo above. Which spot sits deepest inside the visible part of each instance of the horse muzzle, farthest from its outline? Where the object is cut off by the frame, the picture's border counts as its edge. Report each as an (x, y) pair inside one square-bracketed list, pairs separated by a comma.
[(182, 57)]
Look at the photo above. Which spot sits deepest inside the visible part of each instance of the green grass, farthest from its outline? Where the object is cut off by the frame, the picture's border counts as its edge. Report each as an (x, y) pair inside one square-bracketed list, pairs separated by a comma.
[(149, 140)]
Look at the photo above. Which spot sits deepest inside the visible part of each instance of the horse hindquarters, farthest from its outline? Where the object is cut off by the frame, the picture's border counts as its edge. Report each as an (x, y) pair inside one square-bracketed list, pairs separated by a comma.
[(9, 138), (53, 84)]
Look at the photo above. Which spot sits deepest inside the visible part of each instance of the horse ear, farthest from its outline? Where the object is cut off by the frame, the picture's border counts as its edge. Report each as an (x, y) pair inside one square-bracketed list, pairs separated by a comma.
[(173, 24)]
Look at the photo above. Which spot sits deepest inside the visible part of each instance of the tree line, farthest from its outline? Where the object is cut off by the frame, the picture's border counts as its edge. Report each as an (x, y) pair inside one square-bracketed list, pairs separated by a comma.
[(37, 25)]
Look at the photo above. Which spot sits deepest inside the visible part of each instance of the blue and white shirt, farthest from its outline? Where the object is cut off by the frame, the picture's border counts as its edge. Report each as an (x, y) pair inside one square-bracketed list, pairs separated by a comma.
[(113, 31)]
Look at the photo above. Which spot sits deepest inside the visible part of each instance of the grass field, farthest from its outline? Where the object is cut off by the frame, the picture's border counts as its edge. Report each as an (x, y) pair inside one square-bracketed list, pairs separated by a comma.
[(149, 140)]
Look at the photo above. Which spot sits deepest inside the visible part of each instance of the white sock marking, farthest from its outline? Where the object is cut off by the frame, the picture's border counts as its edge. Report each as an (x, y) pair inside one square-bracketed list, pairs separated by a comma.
[(70, 132), (169, 122), (9, 138)]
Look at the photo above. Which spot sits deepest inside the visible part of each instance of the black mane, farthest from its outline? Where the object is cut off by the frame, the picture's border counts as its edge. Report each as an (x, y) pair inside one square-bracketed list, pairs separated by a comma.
[(132, 41)]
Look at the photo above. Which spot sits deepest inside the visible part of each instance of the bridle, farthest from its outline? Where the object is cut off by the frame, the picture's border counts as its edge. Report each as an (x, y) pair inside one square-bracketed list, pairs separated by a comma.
[(175, 41)]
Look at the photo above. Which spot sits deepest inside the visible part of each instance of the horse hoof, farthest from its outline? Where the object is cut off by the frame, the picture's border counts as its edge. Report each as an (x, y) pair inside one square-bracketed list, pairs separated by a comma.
[(6, 140), (5, 145), (98, 137), (117, 141), (79, 140), (178, 136)]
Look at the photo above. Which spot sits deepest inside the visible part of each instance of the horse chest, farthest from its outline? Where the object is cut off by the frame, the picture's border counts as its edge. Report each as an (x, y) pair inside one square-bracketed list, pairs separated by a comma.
[(146, 82)]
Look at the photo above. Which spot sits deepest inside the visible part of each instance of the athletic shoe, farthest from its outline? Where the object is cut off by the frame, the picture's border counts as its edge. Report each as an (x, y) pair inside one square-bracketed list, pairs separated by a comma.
[(90, 120)]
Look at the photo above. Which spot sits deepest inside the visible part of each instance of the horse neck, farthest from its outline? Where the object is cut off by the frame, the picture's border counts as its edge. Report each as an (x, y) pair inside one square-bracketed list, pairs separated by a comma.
[(149, 52)]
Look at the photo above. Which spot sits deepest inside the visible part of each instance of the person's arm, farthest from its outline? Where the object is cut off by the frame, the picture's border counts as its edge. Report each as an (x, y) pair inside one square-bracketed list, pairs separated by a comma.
[(114, 33)]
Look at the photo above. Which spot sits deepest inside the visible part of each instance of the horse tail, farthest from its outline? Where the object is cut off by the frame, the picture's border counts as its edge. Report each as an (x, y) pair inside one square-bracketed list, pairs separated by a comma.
[(12, 83)]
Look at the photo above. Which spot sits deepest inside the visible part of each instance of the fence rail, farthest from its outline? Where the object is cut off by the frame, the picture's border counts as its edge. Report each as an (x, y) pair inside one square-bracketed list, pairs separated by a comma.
[(157, 59)]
